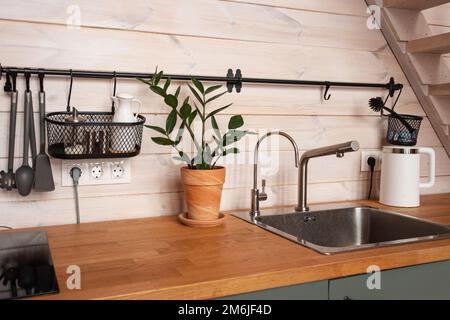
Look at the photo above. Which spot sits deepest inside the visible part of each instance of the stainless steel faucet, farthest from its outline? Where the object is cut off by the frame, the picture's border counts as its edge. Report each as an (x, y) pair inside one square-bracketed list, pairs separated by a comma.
[(337, 149), (258, 196)]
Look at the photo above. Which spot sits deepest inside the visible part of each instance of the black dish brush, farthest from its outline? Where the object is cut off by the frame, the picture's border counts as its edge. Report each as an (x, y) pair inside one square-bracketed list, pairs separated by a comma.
[(377, 104)]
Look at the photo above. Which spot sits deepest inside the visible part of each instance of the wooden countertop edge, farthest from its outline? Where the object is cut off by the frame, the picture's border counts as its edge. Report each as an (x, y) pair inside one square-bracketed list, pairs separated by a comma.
[(293, 276), (389, 257)]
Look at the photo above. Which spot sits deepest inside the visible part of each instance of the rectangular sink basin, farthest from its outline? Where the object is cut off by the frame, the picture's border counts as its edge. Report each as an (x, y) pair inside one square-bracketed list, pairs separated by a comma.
[(345, 229)]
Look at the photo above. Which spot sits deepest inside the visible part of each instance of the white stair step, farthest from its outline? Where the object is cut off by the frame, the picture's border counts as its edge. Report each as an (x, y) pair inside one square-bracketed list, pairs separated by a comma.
[(413, 4), (439, 90), (435, 44)]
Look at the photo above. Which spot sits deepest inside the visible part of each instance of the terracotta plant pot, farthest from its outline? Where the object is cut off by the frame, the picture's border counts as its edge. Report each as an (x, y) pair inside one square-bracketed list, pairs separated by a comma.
[(203, 191)]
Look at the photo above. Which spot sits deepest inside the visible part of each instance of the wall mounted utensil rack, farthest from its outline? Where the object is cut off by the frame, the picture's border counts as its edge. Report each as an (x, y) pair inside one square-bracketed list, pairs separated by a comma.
[(99, 129), (232, 79)]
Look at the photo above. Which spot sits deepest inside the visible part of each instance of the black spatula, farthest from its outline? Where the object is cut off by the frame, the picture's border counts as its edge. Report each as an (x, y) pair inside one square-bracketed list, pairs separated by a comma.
[(43, 173)]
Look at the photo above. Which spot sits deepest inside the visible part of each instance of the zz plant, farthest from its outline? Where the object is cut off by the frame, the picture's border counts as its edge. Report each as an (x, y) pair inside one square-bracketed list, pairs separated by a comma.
[(183, 114)]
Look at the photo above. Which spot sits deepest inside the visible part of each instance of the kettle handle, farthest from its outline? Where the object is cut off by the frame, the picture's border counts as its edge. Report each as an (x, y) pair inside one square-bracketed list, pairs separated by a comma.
[(431, 167), (139, 103)]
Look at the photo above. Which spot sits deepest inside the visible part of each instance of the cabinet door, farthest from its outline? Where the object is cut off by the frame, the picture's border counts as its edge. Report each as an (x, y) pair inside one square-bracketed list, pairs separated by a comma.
[(308, 291), (426, 281)]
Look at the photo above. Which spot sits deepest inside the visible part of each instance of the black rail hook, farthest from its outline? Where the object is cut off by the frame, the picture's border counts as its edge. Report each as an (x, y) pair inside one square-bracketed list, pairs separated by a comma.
[(113, 107), (41, 80), (327, 87), (27, 80), (234, 80), (8, 86), (70, 91)]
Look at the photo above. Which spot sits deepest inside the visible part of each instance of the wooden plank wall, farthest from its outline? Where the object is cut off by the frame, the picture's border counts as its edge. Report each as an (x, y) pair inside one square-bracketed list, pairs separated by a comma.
[(317, 40)]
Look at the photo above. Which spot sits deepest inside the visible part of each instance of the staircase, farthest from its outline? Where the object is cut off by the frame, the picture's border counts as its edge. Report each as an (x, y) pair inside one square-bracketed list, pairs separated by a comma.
[(423, 52)]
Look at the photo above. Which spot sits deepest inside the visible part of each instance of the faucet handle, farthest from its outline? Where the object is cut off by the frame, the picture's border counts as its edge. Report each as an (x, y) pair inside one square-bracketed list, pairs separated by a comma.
[(263, 195)]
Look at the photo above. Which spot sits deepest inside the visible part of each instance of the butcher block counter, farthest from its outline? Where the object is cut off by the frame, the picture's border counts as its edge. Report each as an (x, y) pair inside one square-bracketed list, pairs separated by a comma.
[(158, 258)]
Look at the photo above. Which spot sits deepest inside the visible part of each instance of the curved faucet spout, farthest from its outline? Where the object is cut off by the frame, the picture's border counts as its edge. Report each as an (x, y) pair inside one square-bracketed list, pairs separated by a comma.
[(268, 134), (256, 195), (337, 149)]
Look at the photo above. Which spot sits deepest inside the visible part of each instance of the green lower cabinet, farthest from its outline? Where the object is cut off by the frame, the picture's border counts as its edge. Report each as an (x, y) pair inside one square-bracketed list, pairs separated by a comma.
[(425, 281), (308, 291)]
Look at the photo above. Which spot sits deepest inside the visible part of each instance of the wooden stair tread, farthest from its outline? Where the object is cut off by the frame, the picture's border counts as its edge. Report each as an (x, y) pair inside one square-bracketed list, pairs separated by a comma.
[(435, 44), (439, 89), (413, 4)]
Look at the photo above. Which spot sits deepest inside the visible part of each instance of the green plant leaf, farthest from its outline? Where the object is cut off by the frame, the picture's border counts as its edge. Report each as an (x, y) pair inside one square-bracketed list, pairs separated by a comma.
[(171, 121), (199, 112), (177, 93), (198, 85), (158, 129), (183, 157), (232, 136), (235, 122), (217, 111), (212, 88), (231, 150), (215, 97), (157, 77), (147, 82), (158, 91), (196, 95), (192, 117), (185, 110), (216, 129), (171, 100), (163, 141), (203, 166), (167, 84), (179, 133)]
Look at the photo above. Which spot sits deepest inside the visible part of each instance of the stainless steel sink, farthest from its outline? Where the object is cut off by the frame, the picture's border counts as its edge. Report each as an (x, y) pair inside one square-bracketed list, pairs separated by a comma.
[(330, 231)]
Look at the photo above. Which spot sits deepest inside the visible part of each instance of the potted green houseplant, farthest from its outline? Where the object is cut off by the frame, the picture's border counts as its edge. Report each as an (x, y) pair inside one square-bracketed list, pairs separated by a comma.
[(201, 177)]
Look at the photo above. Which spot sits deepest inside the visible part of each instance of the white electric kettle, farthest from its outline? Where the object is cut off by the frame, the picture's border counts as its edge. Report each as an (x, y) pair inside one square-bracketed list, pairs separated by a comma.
[(400, 175)]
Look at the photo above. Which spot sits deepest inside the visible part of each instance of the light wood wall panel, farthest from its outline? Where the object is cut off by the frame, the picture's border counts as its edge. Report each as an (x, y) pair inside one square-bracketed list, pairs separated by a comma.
[(317, 40), (205, 18)]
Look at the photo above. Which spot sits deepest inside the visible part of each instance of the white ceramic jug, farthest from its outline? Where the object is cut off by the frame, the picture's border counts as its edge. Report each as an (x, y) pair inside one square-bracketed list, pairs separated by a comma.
[(123, 137), (123, 104), (400, 175)]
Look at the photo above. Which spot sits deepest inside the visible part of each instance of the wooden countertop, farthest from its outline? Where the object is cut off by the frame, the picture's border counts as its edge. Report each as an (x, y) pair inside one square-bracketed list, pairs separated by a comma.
[(157, 258)]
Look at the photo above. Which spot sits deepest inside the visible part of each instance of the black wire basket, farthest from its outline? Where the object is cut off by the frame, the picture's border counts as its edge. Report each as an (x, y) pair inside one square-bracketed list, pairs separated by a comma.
[(96, 137), (398, 133)]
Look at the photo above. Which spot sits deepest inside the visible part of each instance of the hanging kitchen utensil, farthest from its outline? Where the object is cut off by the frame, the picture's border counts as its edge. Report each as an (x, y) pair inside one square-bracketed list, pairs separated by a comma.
[(43, 174), (25, 174), (7, 179), (33, 147)]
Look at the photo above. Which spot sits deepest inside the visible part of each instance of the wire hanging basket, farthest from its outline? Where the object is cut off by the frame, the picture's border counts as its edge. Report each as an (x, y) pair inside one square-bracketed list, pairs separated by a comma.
[(398, 133), (97, 137), (93, 134)]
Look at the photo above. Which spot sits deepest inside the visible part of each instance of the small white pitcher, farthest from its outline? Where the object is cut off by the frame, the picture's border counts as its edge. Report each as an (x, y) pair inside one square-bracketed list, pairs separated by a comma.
[(121, 142), (123, 103)]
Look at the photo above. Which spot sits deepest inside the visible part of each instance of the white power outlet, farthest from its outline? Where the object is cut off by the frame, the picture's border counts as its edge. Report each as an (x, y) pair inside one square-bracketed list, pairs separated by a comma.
[(95, 172), (366, 155), (117, 171)]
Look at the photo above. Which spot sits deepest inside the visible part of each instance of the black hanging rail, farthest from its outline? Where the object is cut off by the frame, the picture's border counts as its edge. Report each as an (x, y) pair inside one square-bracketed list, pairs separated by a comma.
[(233, 80)]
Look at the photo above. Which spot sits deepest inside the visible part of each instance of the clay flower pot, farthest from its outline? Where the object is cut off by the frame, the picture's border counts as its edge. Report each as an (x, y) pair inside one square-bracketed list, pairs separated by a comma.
[(203, 191)]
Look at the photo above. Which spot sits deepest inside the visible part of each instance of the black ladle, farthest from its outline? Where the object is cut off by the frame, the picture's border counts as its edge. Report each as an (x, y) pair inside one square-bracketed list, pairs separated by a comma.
[(25, 174), (7, 178)]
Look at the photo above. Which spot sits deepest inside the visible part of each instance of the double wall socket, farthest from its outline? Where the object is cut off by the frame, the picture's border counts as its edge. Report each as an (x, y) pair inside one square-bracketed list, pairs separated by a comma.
[(366, 155), (95, 172)]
